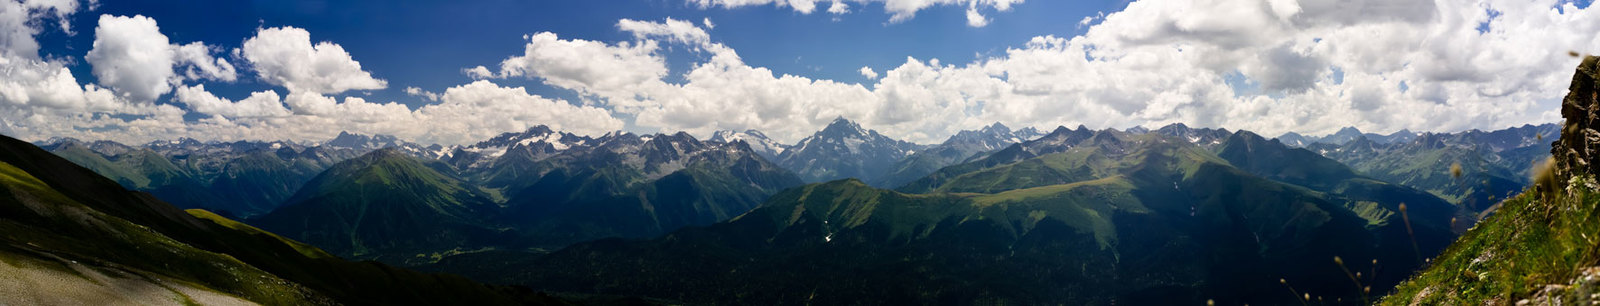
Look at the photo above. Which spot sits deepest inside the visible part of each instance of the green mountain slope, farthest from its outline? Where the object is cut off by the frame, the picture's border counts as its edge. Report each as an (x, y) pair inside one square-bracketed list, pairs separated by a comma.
[(385, 205), (1062, 139), (69, 228), (1155, 221), (1539, 246)]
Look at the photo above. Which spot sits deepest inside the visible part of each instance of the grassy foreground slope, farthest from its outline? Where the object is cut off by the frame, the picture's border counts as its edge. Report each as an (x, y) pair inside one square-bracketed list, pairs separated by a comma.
[(68, 228), (1540, 246)]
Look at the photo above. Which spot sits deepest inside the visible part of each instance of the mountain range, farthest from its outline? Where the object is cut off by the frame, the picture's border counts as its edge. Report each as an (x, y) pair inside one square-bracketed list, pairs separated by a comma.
[(960, 147), (1345, 135), (622, 213), (235, 179), (1473, 169), (534, 190), (1075, 217)]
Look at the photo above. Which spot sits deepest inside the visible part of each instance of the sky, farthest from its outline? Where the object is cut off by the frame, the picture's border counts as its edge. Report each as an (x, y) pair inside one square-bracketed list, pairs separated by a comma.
[(457, 72)]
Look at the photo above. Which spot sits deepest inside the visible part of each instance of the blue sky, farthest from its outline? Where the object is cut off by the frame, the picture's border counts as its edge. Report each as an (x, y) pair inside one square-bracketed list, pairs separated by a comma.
[(427, 43), (920, 70)]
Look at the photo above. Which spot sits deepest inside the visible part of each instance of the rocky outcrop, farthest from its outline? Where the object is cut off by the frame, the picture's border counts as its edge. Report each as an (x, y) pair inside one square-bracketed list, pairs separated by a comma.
[(1574, 153)]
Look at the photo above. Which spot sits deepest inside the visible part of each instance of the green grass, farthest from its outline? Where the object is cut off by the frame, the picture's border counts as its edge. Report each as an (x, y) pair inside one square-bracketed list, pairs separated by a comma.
[(1087, 206), (1531, 241), (304, 249), (40, 217)]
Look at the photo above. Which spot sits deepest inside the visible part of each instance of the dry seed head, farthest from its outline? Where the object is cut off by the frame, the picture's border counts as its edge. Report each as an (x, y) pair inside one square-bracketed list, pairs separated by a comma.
[(1455, 170), (1402, 207), (1211, 303), (1283, 281), (1308, 296), (1338, 260)]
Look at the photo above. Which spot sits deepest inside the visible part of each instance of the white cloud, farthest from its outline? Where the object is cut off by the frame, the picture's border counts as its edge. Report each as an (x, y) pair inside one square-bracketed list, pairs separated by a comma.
[(672, 30), (707, 22), (899, 10), (132, 57), (17, 29), (975, 19), (465, 114), (425, 95), (35, 92), (614, 71), (481, 109), (868, 73), (839, 8), (479, 73), (40, 98), (259, 104), (285, 56), (200, 65), (1317, 66)]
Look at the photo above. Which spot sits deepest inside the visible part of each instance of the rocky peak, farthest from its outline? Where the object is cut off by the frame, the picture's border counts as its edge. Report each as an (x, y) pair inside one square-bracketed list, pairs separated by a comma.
[(753, 139), (996, 129), (1575, 152), (841, 127)]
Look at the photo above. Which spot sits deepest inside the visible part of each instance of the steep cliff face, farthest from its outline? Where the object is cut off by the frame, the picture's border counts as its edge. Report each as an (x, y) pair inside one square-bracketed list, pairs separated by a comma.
[(1580, 137)]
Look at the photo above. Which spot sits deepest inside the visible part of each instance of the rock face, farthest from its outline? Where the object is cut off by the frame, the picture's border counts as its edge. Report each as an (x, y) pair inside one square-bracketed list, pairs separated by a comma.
[(1580, 137)]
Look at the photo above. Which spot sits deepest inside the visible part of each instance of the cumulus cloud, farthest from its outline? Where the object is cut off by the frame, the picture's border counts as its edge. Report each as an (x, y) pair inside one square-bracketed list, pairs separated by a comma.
[(613, 71), (462, 114), (975, 19), (424, 94), (131, 56), (868, 73), (1316, 65), (672, 30), (285, 56), (40, 98), (259, 104), (481, 109), (198, 64), (839, 8), (723, 86), (41, 95), (899, 10)]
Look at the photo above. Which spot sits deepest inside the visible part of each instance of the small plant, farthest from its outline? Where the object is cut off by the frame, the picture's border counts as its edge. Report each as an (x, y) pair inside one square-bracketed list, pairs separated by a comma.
[(1293, 292), (1354, 278)]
